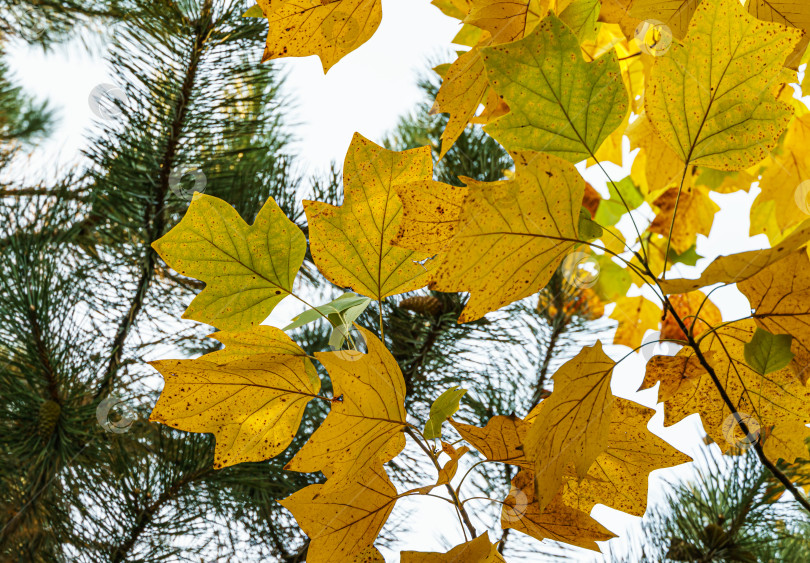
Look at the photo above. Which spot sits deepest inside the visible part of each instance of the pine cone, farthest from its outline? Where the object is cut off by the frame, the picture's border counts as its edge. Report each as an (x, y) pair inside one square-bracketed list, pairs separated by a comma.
[(49, 412), (424, 305)]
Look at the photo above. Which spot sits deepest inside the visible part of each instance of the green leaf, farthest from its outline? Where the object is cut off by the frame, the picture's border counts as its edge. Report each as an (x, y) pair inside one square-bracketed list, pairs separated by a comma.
[(559, 103), (611, 210), (442, 408), (711, 98), (253, 12), (613, 281), (581, 16), (336, 307), (688, 257), (247, 269), (588, 229), (767, 353)]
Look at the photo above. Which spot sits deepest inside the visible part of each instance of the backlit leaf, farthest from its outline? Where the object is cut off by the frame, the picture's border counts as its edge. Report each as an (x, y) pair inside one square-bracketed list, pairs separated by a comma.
[(247, 269), (500, 241), (479, 550), (636, 315), (559, 104), (350, 243), (711, 99), (767, 353), (787, 12), (500, 440), (442, 408)]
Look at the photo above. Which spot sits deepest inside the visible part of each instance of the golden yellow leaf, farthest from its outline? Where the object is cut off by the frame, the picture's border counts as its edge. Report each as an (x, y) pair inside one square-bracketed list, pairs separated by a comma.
[(366, 424), (675, 14), (780, 298), (448, 471), (252, 402), (688, 306), (636, 315), (787, 442), (557, 521), (500, 241), (573, 424), (618, 478), (479, 550), (679, 377), (454, 8), (710, 99), (735, 268), (773, 400), (261, 339), (500, 440), (350, 244), (506, 20), (342, 523), (559, 103), (247, 269), (695, 216), (656, 166), (792, 13), (330, 29), (783, 180)]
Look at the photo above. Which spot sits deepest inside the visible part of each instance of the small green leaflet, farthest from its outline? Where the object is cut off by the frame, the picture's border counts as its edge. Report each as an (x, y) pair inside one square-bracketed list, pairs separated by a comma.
[(254, 12), (613, 282), (342, 311), (588, 230), (442, 408), (611, 210), (767, 353)]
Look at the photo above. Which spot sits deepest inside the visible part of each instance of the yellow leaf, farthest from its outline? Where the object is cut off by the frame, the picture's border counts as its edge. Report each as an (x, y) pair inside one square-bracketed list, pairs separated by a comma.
[(479, 550), (738, 267), (618, 478), (457, 9), (675, 14), (711, 99), (573, 424), (350, 243), (780, 298), (688, 306), (695, 216), (679, 377), (500, 440), (783, 180), (636, 315), (258, 340), (251, 402), (341, 524), (247, 269), (500, 241), (331, 30), (557, 521), (773, 400), (656, 166), (366, 424), (559, 104), (506, 20), (787, 12)]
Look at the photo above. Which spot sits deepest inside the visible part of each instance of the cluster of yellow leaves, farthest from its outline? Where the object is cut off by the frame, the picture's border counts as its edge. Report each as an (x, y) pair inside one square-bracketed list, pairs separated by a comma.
[(561, 82)]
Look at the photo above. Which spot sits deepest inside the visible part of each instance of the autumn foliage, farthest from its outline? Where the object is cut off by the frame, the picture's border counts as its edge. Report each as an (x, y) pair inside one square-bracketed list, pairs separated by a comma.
[(703, 93)]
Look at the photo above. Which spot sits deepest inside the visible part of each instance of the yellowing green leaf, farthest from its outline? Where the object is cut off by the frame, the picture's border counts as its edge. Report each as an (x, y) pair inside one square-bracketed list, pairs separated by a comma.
[(556, 521), (500, 241), (500, 440), (767, 353), (251, 399), (479, 550), (350, 244), (559, 104), (675, 14), (330, 29), (573, 425), (618, 477), (787, 12), (442, 408), (366, 424), (341, 524), (739, 267), (247, 269), (711, 99)]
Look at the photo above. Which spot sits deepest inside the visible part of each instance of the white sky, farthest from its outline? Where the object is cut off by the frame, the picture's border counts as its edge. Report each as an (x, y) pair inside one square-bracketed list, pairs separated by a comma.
[(366, 92)]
